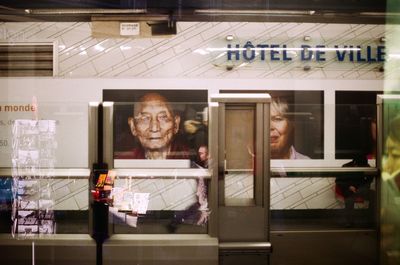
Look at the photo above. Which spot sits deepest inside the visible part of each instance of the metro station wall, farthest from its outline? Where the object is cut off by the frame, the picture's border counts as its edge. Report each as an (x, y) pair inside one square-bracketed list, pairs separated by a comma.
[(87, 65), (187, 54)]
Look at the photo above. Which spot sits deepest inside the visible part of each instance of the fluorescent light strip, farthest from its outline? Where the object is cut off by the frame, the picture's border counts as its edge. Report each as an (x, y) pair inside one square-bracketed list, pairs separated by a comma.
[(72, 11), (253, 49), (282, 49), (334, 49), (379, 14), (252, 12)]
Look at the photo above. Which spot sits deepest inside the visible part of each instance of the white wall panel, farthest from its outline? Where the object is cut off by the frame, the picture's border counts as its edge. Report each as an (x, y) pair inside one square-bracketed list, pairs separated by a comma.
[(77, 48), (88, 65)]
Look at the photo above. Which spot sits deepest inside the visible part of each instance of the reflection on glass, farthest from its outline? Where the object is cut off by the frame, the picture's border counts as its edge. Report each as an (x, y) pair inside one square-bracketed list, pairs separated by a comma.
[(355, 124), (159, 205), (160, 130), (390, 188), (33, 207), (392, 158), (318, 201), (297, 122), (239, 141)]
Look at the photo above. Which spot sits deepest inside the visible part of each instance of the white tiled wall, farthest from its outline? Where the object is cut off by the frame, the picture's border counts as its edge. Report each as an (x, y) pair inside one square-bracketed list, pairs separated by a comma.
[(70, 194), (165, 194), (185, 54), (303, 193), (239, 185)]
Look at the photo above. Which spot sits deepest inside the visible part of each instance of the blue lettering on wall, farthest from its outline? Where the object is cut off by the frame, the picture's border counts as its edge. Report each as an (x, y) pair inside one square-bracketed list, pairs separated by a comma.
[(317, 53), (370, 58), (262, 50), (320, 53), (285, 55), (274, 52), (380, 53), (306, 55), (234, 52), (351, 54), (340, 54), (249, 53), (359, 55)]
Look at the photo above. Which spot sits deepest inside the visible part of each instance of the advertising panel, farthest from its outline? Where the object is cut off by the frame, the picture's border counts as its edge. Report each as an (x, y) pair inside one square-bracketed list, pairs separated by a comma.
[(355, 134), (297, 123), (71, 136), (159, 128)]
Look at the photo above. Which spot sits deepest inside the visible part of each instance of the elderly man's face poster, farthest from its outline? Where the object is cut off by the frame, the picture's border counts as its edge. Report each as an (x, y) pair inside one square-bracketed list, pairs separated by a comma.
[(159, 124)]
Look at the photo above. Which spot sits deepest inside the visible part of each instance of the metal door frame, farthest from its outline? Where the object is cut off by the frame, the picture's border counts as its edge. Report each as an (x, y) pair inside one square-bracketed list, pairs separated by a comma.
[(261, 209)]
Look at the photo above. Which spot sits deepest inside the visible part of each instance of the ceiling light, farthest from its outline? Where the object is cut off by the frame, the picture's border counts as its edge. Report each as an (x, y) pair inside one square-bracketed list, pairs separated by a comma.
[(229, 37), (252, 12), (81, 11), (377, 14), (334, 49)]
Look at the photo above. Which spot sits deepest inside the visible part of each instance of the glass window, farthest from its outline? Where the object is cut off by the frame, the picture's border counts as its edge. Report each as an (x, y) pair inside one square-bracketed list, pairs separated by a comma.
[(161, 143), (44, 189), (390, 180), (239, 152), (356, 128), (297, 123)]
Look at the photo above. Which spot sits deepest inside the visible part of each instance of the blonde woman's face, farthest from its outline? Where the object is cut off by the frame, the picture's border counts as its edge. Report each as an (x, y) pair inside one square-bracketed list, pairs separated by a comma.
[(280, 134)]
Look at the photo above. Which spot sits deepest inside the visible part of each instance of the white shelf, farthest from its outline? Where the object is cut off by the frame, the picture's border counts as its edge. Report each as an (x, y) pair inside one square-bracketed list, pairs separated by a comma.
[(162, 173), (58, 173)]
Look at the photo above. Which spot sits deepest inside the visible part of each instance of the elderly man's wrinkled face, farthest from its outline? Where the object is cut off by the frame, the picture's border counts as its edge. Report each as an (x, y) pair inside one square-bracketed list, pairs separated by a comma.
[(280, 134), (154, 124)]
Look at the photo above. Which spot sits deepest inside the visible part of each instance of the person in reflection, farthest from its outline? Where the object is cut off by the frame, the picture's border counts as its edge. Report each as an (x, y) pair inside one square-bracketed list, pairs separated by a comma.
[(390, 192), (202, 187), (354, 188), (196, 129), (281, 132), (156, 126), (199, 210), (373, 130), (202, 156), (391, 163)]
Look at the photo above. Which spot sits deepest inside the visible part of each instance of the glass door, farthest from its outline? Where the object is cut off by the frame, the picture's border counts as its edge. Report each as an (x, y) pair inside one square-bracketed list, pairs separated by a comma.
[(240, 127)]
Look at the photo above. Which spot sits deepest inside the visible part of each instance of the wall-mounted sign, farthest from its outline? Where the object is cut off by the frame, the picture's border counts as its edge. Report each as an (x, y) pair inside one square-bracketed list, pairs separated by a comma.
[(71, 122), (306, 53), (129, 29)]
